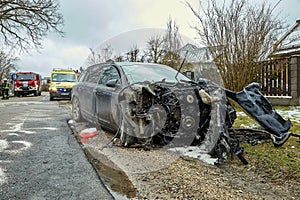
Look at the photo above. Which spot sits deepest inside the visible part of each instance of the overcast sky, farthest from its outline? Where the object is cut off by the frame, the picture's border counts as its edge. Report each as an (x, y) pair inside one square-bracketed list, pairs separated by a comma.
[(91, 23)]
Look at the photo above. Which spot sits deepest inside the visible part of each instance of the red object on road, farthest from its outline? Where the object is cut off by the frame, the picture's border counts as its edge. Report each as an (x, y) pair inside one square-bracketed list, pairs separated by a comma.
[(88, 133)]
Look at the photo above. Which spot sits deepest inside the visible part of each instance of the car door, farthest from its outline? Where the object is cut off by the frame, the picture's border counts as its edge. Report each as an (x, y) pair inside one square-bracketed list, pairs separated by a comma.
[(108, 84), (87, 91), (78, 88)]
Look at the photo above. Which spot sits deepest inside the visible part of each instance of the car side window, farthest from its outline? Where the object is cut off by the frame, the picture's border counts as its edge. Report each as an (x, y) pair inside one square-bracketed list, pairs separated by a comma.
[(108, 73), (92, 75), (82, 76)]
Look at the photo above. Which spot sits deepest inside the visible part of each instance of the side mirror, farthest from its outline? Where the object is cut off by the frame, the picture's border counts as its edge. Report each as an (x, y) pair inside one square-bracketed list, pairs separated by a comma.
[(48, 80), (112, 83)]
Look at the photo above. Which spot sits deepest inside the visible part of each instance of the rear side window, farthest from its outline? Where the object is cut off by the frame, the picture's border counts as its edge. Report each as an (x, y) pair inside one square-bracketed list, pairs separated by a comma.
[(82, 76), (92, 74)]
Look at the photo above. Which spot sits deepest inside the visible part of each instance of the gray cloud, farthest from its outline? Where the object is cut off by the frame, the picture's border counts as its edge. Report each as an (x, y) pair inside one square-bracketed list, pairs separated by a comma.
[(90, 23)]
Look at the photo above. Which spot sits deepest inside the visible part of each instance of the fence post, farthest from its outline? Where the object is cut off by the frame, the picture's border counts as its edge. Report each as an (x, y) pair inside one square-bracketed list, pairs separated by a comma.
[(295, 79), (298, 78)]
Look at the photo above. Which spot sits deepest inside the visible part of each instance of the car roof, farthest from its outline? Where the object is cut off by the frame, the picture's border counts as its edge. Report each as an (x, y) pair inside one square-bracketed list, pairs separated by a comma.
[(136, 63), (122, 64)]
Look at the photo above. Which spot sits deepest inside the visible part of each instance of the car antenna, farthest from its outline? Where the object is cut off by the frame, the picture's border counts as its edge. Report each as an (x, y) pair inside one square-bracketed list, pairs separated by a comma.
[(181, 65)]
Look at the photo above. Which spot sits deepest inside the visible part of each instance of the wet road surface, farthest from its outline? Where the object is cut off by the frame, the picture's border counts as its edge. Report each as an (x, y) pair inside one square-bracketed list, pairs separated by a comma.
[(40, 157)]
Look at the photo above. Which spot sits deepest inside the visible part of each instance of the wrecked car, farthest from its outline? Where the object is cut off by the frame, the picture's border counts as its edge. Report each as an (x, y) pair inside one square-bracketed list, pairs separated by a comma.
[(147, 103)]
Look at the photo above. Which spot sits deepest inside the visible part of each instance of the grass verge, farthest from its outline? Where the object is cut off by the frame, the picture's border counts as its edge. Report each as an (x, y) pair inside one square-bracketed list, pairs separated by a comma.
[(276, 164)]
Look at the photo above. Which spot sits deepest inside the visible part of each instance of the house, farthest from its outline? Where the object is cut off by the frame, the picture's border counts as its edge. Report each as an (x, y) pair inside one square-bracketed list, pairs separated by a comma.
[(199, 61), (289, 44), (286, 60)]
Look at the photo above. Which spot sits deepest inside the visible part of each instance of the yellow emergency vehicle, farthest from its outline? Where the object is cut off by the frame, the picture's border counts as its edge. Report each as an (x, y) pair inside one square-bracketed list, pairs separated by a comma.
[(61, 83)]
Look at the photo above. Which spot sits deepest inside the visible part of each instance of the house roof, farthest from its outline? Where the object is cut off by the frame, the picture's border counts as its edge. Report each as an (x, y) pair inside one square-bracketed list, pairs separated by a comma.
[(289, 43)]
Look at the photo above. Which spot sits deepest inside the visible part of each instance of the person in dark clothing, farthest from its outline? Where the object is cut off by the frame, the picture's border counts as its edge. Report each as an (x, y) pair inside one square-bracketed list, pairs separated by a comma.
[(5, 89)]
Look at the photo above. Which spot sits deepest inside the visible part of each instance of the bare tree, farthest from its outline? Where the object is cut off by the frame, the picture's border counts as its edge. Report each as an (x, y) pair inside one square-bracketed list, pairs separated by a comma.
[(172, 44), (155, 50), (106, 53), (172, 40), (239, 35), (171, 59), (119, 58), (25, 22), (132, 55), (99, 56), (7, 63), (92, 57)]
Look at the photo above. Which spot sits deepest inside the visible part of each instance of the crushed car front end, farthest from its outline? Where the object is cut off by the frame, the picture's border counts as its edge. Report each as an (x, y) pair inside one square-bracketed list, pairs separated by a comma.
[(191, 113)]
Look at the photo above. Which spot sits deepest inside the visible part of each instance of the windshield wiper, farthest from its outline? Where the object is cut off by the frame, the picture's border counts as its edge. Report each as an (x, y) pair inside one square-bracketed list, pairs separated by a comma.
[(183, 61)]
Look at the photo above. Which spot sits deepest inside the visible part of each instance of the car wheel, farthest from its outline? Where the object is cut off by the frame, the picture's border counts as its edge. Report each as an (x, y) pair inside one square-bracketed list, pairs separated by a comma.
[(127, 140), (76, 113)]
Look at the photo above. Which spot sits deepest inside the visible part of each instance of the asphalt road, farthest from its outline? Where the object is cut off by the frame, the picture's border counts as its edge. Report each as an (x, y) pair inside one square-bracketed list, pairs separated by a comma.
[(40, 157)]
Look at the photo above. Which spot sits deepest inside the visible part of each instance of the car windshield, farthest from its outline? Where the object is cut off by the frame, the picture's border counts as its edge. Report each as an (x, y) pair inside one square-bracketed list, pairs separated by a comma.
[(151, 72), (25, 77), (63, 78)]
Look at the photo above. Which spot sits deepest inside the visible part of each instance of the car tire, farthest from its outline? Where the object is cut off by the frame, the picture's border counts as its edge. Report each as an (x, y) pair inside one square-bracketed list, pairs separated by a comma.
[(76, 112), (51, 97), (127, 140)]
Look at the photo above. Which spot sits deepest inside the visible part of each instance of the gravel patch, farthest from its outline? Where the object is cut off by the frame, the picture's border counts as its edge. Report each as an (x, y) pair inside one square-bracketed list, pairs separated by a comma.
[(161, 174)]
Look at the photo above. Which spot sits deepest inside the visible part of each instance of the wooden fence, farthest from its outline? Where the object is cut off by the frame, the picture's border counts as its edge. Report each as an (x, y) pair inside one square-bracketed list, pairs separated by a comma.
[(275, 77), (280, 80)]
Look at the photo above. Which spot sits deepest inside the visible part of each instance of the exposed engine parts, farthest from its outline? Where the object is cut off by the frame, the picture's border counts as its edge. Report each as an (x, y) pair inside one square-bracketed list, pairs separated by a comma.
[(195, 113)]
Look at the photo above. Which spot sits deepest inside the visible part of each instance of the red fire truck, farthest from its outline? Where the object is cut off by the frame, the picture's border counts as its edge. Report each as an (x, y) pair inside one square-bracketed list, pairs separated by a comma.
[(27, 83)]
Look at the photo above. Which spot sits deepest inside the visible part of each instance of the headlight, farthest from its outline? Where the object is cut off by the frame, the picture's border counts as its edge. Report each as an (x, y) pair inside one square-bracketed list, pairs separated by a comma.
[(54, 89)]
